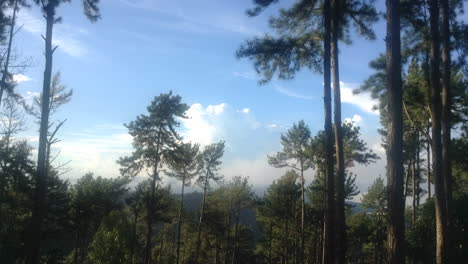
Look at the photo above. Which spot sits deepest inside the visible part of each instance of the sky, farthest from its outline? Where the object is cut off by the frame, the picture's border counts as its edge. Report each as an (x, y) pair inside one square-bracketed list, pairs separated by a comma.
[(142, 48)]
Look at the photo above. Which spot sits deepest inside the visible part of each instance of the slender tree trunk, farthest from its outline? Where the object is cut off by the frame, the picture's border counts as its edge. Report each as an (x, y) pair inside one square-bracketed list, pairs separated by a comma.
[(271, 242), (414, 187), (396, 204), (216, 250), (446, 113), (179, 225), (149, 206), (418, 169), (340, 241), (134, 235), (202, 211), (302, 212), (161, 246), (328, 249), (228, 233), (437, 164), (5, 74), (428, 171), (39, 208), (236, 236), (407, 178)]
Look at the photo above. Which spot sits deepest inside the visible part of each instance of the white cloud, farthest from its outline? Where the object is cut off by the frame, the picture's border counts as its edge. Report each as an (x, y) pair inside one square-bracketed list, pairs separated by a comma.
[(362, 101), (216, 109), (244, 110), (65, 36), (249, 75), (355, 119), (290, 93), (18, 78), (198, 126)]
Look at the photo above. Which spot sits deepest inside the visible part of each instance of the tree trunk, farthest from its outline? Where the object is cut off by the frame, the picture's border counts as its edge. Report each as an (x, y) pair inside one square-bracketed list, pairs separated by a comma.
[(436, 108), (396, 205), (428, 163), (328, 248), (271, 242), (149, 206), (134, 235), (8, 53), (200, 222), (38, 213), (446, 112), (413, 174), (302, 212), (340, 241), (236, 235), (179, 225)]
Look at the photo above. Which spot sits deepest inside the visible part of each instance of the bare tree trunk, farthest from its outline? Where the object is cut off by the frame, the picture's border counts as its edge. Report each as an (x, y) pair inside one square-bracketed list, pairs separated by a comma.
[(39, 208), (271, 242), (328, 248), (396, 205), (340, 251), (446, 113), (134, 235), (5, 74), (407, 177), (149, 206), (428, 163), (202, 211), (179, 225), (236, 236), (413, 174), (302, 212), (436, 108)]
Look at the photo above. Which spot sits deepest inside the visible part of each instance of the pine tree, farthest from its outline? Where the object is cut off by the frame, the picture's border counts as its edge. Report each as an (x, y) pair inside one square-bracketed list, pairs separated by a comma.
[(154, 135), (185, 163), (294, 155), (211, 159), (49, 9)]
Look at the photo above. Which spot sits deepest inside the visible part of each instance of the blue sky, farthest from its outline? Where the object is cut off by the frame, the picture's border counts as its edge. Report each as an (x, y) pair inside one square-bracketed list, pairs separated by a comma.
[(142, 48)]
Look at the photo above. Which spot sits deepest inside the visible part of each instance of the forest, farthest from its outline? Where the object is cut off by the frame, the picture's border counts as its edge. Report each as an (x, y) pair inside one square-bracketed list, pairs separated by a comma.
[(416, 213)]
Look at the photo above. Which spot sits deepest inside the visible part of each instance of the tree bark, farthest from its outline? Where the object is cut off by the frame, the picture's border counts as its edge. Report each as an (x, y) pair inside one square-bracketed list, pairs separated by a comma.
[(436, 108), (413, 174), (202, 211), (396, 206), (179, 225), (149, 205), (446, 111), (39, 208), (302, 212), (340, 251), (428, 163), (236, 235), (328, 248)]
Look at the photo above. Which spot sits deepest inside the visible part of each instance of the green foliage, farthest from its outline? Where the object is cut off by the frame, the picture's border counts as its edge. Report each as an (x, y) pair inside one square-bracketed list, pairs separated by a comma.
[(154, 134), (112, 242)]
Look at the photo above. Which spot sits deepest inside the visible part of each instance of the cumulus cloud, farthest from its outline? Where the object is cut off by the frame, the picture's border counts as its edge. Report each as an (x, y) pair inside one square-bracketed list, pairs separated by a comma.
[(363, 101), (18, 78), (355, 119)]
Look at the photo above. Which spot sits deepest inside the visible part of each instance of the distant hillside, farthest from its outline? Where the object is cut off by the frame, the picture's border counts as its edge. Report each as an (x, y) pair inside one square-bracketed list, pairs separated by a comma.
[(192, 203)]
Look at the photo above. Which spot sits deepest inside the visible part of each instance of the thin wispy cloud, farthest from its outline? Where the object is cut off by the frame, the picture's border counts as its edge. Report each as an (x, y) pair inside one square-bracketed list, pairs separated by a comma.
[(214, 20), (291, 93), (67, 37), (248, 75)]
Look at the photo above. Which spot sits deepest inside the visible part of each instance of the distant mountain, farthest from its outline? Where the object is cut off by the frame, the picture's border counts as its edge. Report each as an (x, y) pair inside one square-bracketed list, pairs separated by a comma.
[(192, 202)]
